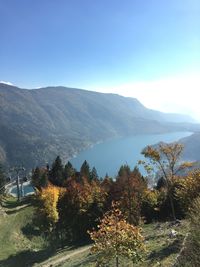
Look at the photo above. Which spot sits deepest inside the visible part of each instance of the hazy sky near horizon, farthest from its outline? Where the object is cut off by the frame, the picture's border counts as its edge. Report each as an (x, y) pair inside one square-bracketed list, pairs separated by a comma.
[(147, 49)]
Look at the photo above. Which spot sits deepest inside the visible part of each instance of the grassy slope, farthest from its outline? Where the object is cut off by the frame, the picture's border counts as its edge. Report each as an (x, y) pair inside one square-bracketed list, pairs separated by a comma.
[(161, 250), (17, 244), (21, 246)]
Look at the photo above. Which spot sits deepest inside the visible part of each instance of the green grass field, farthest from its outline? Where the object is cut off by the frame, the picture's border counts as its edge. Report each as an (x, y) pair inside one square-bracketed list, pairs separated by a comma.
[(23, 246), (19, 244)]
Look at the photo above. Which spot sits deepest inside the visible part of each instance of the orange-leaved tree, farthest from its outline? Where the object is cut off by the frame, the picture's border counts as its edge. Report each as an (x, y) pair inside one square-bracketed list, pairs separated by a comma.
[(80, 205), (115, 237)]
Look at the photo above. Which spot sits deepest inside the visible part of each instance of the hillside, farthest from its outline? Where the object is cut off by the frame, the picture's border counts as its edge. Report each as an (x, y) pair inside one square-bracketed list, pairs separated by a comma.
[(21, 245), (192, 147), (37, 125)]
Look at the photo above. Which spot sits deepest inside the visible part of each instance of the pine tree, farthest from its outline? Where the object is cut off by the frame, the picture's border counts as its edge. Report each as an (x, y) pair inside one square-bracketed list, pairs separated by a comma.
[(39, 178), (69, 170), (36, 174), (124, 170), (56, 172), (93, 174), (85, 170), (44, 180)]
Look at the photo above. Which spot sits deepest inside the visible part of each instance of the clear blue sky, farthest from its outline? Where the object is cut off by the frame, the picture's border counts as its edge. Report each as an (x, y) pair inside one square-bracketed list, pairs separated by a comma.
[(132, 47), (97, 43)]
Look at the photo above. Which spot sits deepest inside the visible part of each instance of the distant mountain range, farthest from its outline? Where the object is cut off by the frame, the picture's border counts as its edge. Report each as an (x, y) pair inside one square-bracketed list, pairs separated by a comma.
[(39, 124)]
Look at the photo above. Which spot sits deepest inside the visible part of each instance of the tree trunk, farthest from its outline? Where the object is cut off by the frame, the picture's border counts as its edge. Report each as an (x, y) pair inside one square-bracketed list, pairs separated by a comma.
[(172, 206), (169, 187), (117, 261)]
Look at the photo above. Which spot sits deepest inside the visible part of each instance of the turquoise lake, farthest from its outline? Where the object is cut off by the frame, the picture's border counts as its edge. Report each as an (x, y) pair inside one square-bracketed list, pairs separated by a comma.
[(26, 189), (108, 156)]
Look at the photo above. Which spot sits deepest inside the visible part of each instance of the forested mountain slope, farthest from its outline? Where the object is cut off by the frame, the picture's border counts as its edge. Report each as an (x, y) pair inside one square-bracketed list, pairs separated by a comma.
[(36, 125)]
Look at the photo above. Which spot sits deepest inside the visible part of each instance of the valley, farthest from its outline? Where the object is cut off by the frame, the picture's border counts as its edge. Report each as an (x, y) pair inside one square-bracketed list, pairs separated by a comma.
[(39, 124)]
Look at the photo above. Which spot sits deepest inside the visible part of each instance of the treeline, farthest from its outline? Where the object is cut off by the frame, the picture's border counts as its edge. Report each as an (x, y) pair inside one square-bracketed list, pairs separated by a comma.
[(59, 174), (70, 202)]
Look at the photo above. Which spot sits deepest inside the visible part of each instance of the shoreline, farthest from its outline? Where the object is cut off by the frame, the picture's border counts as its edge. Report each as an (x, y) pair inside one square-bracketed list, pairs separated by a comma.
[(11, 187)]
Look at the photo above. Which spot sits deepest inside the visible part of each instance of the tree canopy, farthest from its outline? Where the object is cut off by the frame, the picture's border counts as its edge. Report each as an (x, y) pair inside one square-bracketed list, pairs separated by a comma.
[(115, 237)]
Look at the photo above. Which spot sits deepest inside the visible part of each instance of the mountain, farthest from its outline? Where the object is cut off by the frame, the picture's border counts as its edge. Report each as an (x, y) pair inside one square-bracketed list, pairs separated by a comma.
[(37, 125), (192, 147)]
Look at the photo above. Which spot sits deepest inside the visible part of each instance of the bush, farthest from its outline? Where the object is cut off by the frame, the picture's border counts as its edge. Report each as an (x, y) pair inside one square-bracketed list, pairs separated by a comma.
[(188, 189)]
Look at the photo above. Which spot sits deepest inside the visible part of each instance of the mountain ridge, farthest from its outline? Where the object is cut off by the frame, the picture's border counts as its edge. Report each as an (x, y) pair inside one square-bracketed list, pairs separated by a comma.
[(38, 124)]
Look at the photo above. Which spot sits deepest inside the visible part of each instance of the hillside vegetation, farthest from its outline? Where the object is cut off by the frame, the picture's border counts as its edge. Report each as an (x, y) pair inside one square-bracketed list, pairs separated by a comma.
[(37, 125), (20, 246), (129, 222)]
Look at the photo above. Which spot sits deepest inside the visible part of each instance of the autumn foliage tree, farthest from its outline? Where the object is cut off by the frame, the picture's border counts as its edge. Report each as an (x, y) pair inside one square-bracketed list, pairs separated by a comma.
[(80, 204), (150, 205), (70, 202), (188, 189), (46, 215), (128, 191), (165, 159), (115, 237)]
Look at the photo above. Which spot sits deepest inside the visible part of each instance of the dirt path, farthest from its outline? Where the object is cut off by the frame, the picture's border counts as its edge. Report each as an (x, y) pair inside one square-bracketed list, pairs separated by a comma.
[(17, 208), (58, 259)]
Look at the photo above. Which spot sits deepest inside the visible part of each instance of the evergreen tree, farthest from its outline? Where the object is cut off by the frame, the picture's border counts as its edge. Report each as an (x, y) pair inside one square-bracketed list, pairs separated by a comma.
[(124, 170), (93, 174), (39, 178), (44, 180), (56, 172), (85, 170), (69, 170), (36, 174)]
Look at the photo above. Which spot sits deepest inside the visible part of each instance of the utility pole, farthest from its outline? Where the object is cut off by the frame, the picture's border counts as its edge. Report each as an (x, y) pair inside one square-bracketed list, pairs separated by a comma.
[(17, 170), (18, 191), (22, 188)]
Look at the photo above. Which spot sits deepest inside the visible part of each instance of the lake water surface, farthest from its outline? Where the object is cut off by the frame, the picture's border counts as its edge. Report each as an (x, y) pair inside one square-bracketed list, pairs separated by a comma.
[(27, 189), (107, 157)]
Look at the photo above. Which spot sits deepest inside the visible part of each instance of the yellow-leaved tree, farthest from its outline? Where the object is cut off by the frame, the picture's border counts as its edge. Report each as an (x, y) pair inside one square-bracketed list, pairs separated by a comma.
[(115, 237), (47, 213), (188, 189), (165, 159)]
